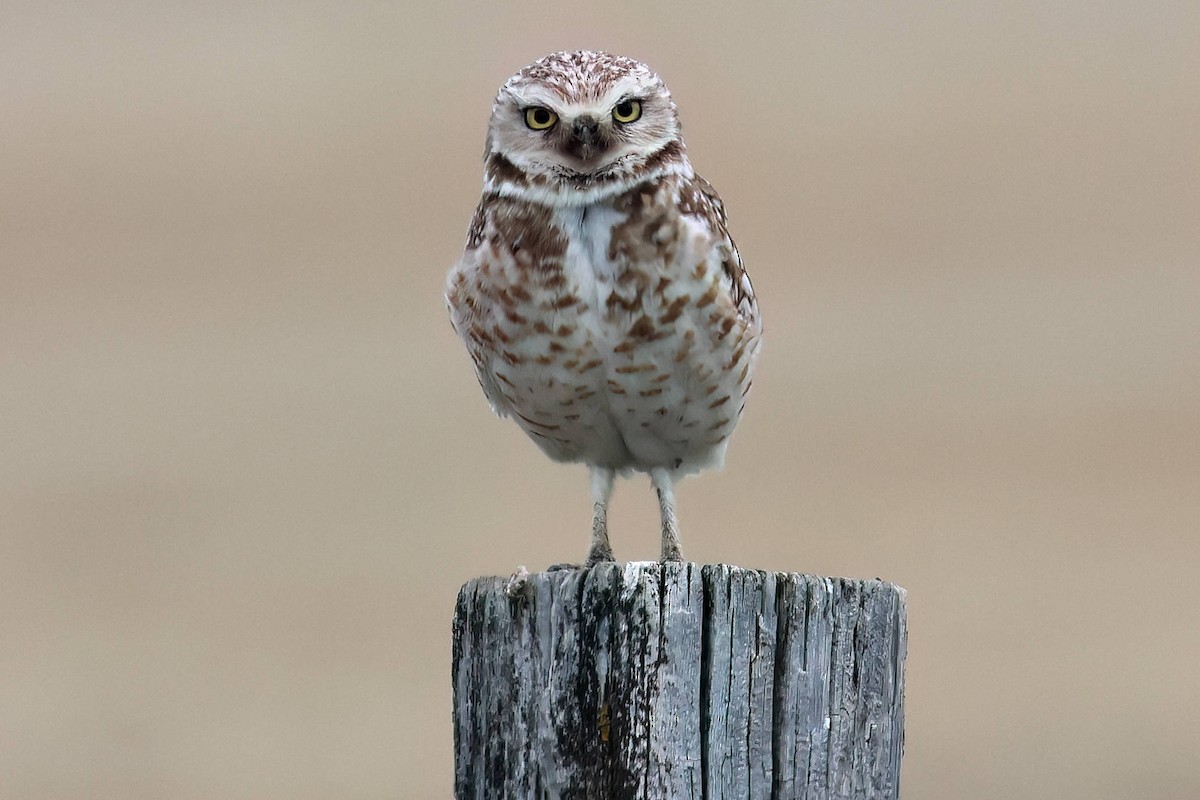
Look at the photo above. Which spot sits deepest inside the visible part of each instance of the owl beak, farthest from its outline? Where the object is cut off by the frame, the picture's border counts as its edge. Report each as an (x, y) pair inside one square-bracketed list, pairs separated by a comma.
[(586, 140)]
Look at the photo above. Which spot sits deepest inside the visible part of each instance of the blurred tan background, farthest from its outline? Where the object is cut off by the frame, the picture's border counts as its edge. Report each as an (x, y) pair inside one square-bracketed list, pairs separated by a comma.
[(245, 465)]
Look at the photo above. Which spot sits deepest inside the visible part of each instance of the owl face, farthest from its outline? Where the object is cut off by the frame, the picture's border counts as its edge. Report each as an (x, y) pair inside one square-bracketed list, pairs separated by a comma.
[(580, 121)]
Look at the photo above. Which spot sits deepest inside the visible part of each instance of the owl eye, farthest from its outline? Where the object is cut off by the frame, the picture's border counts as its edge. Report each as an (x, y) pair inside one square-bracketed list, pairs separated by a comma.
[(540, 118), (627, 111)]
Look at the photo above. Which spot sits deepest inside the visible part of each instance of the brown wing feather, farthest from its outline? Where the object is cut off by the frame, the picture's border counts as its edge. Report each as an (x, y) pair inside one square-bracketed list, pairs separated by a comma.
[(699, 198)]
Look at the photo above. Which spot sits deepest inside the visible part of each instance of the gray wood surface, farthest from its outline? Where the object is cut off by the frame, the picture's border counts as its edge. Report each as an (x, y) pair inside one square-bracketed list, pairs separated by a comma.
[(678, 681)]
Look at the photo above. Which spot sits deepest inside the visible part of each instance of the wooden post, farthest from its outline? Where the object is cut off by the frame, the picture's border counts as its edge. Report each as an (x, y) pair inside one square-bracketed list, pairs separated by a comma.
[(660, 682)]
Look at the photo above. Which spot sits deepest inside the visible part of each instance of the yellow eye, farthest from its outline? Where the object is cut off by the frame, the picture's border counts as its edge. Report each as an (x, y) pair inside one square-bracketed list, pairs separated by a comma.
[(627, 111), (540, 118)]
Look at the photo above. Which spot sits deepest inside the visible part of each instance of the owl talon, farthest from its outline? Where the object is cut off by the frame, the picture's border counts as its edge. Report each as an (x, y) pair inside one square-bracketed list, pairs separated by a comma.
[(599, 557), (517, 584)]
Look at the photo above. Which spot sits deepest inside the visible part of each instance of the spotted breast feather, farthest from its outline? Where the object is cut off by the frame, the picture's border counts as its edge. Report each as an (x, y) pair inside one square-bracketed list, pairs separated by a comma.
[(621, 333)]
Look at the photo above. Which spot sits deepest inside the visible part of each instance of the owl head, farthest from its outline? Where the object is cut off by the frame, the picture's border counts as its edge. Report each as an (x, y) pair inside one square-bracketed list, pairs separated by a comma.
[(577, 126)]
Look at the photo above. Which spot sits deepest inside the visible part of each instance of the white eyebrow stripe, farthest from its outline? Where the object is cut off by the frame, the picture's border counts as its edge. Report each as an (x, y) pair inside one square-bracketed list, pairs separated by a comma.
[(535, 95)]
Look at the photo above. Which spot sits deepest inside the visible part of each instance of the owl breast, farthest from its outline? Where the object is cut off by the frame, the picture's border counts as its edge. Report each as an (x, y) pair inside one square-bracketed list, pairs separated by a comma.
[(620, 334)]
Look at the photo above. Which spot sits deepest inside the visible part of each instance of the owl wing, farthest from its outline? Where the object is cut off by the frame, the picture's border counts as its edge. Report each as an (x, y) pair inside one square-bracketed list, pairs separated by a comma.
[(467, 303), (699, 198)]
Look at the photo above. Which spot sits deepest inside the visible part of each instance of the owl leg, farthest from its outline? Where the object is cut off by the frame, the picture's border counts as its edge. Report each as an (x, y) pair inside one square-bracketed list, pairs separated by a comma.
[(602, 489), (663, 485)]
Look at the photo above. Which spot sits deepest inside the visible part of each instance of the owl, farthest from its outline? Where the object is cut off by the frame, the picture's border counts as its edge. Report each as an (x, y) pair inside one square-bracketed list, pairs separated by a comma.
[(600, 296)]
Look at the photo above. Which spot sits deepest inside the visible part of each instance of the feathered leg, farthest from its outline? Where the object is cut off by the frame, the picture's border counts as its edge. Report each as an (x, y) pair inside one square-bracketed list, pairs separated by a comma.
[(661, 480), (602, 489)]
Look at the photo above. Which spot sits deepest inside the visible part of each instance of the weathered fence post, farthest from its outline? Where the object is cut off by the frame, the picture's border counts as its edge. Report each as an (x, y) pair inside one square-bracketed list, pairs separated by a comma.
[(659, 682)]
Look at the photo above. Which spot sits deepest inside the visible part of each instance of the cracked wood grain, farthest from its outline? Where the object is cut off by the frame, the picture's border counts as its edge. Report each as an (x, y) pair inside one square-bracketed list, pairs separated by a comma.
[(656, 681)]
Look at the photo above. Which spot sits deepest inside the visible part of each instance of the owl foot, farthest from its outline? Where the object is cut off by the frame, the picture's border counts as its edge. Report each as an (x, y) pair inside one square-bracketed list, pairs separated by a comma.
[(517, 584)]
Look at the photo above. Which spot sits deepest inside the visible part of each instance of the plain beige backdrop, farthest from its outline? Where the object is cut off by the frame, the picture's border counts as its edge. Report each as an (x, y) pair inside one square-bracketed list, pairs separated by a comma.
[(245, 465)]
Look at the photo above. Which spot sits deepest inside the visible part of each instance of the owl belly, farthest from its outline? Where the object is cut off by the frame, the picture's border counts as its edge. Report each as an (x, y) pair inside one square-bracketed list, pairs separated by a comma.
[(615, 393), (632, 366), (554, 383), (677, 378)]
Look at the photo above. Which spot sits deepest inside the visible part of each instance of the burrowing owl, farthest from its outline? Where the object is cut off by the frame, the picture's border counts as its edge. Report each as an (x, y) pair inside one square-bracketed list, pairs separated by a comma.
[(600, 296)]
